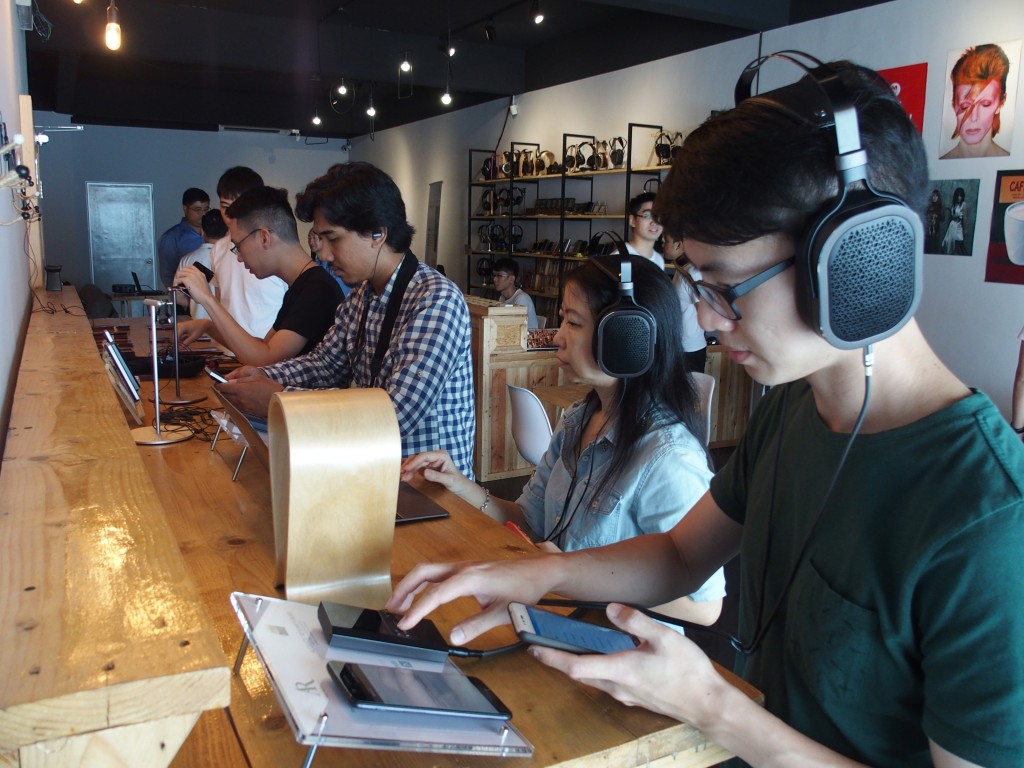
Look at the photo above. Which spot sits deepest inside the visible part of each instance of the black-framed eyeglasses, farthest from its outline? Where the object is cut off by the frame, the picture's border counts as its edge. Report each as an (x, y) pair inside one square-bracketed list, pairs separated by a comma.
[(722, 300), (645, 215), (236, 246), (199, 208), (501, 274)]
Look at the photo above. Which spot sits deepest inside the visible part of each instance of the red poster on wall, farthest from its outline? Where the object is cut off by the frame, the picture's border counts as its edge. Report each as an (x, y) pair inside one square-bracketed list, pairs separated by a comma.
[(908, 83)]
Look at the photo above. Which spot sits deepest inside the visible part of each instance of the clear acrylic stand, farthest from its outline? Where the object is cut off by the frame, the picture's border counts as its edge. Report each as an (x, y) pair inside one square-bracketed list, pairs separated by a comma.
[(293, 652)]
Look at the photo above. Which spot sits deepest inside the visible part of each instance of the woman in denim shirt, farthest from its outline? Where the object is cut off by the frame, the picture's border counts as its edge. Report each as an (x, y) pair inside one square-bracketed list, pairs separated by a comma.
[(626, 460)]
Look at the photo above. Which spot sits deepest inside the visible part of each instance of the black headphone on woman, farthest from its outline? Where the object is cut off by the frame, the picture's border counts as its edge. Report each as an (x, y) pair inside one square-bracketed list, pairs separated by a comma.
[(625, 332)]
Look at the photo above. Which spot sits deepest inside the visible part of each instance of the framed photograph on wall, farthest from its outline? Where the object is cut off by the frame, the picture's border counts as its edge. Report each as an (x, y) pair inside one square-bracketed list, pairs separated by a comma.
[(1006, 240), (981, 87), (951, 215)]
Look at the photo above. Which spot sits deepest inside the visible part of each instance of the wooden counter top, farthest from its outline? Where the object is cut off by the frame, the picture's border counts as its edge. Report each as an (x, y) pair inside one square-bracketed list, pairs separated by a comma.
[(109, 655)]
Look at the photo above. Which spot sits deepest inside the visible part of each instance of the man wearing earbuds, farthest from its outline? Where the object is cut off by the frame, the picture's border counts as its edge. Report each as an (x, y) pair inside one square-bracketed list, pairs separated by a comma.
[(403, 328), (876, 500)]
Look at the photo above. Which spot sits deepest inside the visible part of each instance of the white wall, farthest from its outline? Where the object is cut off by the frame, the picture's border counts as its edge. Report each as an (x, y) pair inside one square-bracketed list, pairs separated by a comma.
[(14, 287), (972, 324)]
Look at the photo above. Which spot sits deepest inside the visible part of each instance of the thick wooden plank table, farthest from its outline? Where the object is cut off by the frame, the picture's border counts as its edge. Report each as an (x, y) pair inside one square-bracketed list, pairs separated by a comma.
[(108, 653), (225, 531)]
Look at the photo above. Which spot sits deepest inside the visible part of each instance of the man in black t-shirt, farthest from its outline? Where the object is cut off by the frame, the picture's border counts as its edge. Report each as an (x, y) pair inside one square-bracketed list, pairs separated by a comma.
[(265, 237)]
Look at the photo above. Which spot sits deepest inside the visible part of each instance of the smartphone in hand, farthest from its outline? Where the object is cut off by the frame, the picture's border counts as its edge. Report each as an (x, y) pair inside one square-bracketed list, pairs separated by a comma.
[(539, 627), (214, 375)]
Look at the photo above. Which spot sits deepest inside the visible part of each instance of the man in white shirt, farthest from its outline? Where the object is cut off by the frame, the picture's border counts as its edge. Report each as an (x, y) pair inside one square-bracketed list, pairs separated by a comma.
[(252, 302), (644, 229)]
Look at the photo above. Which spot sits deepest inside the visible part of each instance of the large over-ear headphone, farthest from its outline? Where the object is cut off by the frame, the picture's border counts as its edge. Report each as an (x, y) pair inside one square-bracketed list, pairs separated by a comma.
[(625, 332), (859, 263)]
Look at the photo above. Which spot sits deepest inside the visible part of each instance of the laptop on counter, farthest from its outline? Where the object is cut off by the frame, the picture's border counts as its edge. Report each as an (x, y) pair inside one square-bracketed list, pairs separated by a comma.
[(139, 290)]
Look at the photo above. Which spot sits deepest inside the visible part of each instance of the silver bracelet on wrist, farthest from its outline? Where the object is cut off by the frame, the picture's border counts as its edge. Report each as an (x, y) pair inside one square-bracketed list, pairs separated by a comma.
[(487, 500)]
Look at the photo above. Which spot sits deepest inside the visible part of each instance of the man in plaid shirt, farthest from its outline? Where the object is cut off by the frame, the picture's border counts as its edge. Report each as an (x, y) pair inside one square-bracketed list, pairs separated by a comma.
[(359, 217)]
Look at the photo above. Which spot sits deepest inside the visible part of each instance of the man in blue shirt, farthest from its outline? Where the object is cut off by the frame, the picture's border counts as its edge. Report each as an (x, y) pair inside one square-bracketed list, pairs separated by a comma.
[(185, 236)]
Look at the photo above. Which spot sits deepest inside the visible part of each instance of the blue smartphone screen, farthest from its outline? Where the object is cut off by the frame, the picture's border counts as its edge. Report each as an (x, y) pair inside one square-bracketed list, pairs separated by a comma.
[(598, 639)]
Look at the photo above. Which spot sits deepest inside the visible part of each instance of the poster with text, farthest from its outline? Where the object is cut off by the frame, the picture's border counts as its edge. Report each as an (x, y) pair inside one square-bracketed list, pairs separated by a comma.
[(951, 215), (908, 84), (981, 87), (1006, 241)]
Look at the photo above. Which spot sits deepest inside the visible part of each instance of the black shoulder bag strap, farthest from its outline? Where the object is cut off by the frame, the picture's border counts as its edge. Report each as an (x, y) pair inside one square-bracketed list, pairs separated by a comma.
[(405, 273)]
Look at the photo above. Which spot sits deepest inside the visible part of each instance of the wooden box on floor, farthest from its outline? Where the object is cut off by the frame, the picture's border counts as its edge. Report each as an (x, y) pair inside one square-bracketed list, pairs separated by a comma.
[(500, 357)]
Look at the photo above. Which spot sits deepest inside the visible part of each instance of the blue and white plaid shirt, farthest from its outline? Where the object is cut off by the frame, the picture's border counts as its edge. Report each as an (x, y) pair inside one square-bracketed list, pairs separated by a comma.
[(427, 370)]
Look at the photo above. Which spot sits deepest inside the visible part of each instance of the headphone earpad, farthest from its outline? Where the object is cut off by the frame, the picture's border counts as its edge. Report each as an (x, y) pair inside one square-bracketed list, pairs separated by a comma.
[(624, 339), (859, 270)]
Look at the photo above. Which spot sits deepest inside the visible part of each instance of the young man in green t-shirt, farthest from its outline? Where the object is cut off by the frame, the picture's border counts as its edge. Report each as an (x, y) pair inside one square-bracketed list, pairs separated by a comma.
[(876, 500)]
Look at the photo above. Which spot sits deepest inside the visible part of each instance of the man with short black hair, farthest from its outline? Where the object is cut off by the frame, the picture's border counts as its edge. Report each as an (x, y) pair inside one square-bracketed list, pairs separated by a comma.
[(252, 302), (262, 226), (185, 236), (644, 229), (403, 328), (876, 501)]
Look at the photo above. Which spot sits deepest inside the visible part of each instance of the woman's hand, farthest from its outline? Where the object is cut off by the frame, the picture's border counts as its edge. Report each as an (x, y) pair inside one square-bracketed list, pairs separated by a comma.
[(438, 467)]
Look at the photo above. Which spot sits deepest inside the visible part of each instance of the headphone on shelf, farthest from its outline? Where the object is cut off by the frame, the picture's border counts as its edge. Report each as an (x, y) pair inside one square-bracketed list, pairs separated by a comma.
[(586, 162), (625, 332), (652, 185), (618, 151), (859, 263), (526, 163), (517, 196), (570, 157), (663, 147)]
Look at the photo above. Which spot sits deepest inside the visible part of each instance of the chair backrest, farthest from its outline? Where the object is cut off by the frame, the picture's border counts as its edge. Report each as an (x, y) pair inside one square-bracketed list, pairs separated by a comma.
[(706, 387), (531, 427)]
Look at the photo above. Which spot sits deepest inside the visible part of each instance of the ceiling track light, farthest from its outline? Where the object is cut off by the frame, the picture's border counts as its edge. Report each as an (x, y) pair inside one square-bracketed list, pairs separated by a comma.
[(535, 12), (113, 34)]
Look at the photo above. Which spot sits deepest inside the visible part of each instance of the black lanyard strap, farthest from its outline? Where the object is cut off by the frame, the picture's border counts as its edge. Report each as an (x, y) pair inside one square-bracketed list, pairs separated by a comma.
[(405, 273)]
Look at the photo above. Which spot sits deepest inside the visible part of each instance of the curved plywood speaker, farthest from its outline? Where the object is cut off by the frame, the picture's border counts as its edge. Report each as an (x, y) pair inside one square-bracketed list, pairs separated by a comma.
[(334, 468)]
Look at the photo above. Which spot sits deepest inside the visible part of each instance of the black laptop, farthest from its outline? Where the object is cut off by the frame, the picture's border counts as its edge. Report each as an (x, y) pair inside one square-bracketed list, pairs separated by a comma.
[(140, 291), (413, 505)]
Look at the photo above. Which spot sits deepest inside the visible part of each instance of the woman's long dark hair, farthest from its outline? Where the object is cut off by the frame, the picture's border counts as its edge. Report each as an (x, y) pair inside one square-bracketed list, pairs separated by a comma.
[(666, 394)]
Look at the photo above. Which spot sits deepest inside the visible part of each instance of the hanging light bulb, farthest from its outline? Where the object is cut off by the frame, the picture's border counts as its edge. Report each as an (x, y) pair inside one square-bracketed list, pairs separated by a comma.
[(446, 97), (405, 66), (370, 110), (113, 36), (536, 12), (78, 2), (316, 118), (342, 89)]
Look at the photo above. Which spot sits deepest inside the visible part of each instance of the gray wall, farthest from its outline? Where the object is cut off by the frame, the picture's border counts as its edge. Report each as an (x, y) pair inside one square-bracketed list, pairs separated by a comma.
[(972, 324), (14, 290), (171, 161)]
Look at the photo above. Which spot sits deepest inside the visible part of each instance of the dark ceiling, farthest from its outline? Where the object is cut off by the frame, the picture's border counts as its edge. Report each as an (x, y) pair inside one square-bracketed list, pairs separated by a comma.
[(272, 64)]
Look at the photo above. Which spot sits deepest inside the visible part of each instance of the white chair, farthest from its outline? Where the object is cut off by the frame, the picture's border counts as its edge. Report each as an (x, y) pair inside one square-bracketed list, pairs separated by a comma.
[(706, 389), (531, 427)]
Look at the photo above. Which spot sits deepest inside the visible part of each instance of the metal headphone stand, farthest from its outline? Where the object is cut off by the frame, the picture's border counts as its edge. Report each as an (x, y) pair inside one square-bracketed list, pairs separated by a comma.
[(178, 398), (152, 435)]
